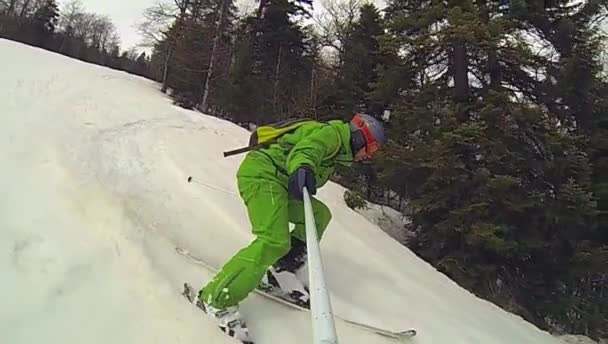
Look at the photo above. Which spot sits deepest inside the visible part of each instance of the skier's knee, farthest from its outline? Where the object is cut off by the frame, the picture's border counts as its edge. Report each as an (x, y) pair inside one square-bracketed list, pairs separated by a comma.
[(282, 249), (274, 250)]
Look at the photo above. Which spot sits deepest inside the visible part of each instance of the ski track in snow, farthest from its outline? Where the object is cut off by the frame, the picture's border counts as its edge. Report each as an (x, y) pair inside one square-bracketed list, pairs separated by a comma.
[(94, 199)]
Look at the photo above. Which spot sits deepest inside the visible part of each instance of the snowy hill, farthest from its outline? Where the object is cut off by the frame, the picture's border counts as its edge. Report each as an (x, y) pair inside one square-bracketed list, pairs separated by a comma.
[(94, 200)]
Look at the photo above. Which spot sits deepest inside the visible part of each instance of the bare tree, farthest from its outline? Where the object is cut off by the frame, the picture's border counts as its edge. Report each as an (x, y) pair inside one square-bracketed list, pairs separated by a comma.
[(158, 18), (69, 14), (604, 51), (262, 8), (10, 7), (113, 44), (7, 6), (82, 25), (101, 28), (36, 5), (214, 52), (155, 26), (336, 21), (24, 8)]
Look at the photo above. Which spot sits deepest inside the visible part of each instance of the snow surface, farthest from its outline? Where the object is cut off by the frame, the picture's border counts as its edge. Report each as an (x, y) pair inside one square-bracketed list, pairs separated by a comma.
[(94, 200)]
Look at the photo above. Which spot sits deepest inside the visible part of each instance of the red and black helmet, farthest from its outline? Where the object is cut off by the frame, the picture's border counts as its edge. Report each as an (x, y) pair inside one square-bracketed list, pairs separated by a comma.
[(368, 132)]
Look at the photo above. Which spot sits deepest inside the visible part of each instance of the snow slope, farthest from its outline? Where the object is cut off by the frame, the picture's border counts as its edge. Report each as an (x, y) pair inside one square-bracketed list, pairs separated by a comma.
[(94, 199)]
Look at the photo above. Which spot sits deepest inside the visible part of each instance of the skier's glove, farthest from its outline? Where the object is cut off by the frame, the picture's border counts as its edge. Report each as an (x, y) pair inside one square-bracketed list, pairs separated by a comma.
[(302, 177)]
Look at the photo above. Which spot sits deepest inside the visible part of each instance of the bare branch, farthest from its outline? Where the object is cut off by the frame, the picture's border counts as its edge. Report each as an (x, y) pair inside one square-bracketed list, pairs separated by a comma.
[(69, 14), (336, 21), (157, 19)]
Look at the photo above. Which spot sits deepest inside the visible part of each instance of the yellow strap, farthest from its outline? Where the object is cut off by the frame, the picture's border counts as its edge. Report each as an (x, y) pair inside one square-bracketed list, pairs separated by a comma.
[(267, 133)]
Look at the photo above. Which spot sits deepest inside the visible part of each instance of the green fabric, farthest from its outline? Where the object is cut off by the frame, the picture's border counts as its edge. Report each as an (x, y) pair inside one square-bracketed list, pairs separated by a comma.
[(262, 182), (320, 145)]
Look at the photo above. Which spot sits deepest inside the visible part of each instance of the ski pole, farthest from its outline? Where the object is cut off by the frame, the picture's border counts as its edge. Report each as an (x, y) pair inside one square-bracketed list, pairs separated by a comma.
[(190, 180), (324, 329)]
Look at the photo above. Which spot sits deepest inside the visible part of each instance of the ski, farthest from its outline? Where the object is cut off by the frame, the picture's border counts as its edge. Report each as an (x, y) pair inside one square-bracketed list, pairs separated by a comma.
[(287, 301), (279, 295)]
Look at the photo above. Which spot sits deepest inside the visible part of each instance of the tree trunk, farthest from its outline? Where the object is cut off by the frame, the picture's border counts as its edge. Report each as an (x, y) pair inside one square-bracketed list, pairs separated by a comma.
[(493, 68), (313, 100), (218, 33), (276, 81), (183, 6), (11, 7), (495, 72), (459, 66), (26, 4), (461, 78), (63, 41), (166, 69), (263, 4)]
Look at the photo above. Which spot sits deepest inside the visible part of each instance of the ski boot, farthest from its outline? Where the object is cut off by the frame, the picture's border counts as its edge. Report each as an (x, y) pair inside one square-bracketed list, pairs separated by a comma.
[(228, 319), (283, 278)]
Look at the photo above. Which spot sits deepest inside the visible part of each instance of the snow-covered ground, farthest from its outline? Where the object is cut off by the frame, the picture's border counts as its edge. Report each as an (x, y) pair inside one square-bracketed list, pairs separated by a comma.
[(94, 199)]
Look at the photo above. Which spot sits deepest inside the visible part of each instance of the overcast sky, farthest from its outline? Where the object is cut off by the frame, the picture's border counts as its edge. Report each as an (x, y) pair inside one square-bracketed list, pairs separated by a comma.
[(125, 14)]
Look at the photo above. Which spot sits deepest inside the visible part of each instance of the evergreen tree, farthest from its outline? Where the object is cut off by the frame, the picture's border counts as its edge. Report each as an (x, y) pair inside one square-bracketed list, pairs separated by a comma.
[(241, 94), (500, 148), (360, 61), (577, 98), (497, 174), (45, 20), (219, 33), (187, 47), (273, 60)]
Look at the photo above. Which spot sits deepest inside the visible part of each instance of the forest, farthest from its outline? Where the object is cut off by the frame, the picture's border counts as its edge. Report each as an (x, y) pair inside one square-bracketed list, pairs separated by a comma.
[(496, 112), (72, 31)]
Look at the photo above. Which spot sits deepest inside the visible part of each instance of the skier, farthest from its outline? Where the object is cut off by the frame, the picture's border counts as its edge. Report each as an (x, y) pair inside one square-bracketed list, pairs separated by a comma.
[(271, 182)]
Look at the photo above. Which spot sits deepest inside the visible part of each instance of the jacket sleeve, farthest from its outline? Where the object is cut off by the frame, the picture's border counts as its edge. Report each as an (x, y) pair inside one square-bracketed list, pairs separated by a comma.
[(313, 149)]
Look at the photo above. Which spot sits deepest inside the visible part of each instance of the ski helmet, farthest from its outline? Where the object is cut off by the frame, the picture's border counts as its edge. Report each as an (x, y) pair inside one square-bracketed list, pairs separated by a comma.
[(366, 131)]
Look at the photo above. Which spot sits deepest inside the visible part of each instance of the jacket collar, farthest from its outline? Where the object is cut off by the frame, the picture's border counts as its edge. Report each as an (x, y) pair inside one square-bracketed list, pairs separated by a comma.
[(345, 154)]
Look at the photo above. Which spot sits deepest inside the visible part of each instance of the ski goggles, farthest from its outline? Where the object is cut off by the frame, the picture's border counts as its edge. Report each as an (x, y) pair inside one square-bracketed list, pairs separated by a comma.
[(371, 145)]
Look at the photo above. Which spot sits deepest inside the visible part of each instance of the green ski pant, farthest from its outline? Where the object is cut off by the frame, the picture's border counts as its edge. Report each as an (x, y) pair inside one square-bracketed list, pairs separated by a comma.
[(270, 211)]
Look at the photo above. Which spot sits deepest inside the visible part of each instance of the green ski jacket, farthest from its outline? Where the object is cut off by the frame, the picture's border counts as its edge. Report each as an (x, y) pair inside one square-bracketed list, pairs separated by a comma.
[(321, 146)]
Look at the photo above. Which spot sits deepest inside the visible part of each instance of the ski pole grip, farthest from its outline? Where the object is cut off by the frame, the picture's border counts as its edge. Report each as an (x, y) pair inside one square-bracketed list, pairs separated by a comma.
[(324, 329)]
